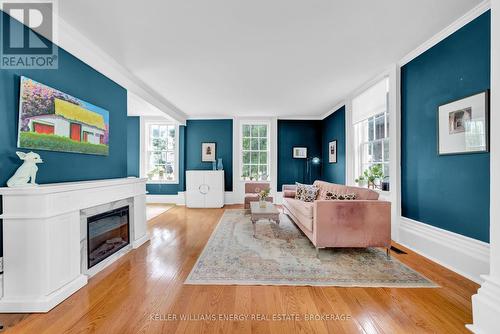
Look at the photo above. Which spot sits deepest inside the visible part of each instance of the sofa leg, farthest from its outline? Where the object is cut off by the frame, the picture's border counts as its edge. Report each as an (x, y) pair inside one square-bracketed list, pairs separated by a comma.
[(317, 252), (388, 252)]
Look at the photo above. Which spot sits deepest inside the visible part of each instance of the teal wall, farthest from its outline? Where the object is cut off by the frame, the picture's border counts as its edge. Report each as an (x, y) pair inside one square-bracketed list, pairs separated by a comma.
[(133, 145), (219, 131), (333, 128), (449, 192), (303, 133), (79, 80)]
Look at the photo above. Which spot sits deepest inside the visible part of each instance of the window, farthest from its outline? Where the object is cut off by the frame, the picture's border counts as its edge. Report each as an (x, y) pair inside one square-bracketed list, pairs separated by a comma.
[(161, 152), (255, 152), (371, 129)]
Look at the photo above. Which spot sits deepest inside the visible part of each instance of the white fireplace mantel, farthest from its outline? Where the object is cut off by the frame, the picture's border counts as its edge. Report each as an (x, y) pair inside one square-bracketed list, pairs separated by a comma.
[(41, 238)]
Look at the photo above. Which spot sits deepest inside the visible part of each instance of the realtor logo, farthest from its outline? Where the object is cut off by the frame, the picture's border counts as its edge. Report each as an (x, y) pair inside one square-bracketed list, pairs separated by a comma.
[(28, 34)]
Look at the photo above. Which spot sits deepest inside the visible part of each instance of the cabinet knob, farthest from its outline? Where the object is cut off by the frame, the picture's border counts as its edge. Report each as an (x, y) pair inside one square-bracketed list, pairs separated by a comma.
[(204, 189)]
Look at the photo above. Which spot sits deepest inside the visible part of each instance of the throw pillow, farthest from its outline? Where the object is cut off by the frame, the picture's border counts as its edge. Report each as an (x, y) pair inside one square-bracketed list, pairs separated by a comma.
[(329, 196), (309, 193), (299, 189), (347, 197), (342, 197)]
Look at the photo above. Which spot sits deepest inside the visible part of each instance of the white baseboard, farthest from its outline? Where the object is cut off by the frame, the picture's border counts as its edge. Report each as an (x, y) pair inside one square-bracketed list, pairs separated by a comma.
[(177, 199), (45, 304), (230, 197), (463, 255), (486, 307)]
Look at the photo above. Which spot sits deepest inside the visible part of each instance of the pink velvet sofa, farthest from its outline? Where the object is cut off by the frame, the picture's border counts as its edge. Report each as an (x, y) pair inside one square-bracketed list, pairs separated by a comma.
[(363, 222), (252, 190)]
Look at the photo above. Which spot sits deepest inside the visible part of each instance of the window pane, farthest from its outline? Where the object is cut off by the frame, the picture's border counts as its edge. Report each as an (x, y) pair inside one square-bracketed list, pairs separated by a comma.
[(263, 157), (246, 157), (254, 172), (263, 173), (386, 150), (386, 172), (254, 144), (155, 131), (263, 144), (246, 143), (246, 171), (255, 130), (254, 158), (371, 135), (377, 152), (262, 131), (246, 130), (380, 127)]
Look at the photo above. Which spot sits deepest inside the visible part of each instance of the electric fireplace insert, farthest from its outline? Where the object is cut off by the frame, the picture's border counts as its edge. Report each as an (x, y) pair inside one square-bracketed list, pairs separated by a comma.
[(107, 233)]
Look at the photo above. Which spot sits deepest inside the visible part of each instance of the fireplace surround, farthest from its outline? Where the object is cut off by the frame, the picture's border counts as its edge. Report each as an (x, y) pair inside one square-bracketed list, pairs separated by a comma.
[(45, 239)]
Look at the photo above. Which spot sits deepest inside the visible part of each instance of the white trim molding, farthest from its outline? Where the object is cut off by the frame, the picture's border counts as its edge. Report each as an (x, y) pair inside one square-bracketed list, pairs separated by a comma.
[(456, 25), (177, 199), (463, 255), (486, 303)]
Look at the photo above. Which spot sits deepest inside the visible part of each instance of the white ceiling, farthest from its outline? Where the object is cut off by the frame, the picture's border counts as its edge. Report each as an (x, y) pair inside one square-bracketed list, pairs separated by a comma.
[(258, 57)]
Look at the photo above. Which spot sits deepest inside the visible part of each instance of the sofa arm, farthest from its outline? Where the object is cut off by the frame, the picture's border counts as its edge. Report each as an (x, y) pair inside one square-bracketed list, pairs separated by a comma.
[(358, 223), (289, 190)]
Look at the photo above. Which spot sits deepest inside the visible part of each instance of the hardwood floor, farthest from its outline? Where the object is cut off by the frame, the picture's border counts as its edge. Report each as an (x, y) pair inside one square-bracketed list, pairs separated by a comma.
[(137, 293)]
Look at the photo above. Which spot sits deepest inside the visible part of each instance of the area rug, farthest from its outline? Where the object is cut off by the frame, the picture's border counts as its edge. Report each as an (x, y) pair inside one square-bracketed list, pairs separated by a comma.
[(282, 255)]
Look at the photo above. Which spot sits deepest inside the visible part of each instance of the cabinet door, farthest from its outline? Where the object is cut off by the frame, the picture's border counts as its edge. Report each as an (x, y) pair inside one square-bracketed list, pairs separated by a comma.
[(194, 181), (215, 182)]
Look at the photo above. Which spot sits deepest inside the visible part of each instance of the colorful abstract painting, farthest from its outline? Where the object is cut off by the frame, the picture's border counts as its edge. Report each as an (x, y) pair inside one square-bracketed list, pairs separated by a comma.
[(55, 121)]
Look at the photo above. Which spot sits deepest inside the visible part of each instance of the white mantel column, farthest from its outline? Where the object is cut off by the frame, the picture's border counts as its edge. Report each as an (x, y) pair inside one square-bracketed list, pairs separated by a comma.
[(486, 303)]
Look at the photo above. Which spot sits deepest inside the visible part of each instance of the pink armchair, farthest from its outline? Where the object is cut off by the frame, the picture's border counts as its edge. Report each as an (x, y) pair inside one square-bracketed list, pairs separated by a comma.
[(364, 222), (252, 190)]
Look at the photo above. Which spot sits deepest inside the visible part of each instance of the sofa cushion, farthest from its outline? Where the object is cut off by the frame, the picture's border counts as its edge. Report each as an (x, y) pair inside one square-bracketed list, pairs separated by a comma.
[(301, 210), (361, 193), (306, 192)]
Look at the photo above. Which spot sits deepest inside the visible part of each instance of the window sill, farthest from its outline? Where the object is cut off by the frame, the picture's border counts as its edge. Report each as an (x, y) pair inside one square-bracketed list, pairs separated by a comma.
[(162, 182)]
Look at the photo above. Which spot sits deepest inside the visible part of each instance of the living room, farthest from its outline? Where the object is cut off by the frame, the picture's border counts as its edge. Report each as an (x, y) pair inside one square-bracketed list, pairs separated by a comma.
[(253, 167)]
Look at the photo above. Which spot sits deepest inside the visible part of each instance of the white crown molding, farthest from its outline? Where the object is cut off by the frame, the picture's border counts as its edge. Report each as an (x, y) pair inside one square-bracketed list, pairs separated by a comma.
[(334, 109), (465, 256), (304, 118), (74, 42), (456, 25)]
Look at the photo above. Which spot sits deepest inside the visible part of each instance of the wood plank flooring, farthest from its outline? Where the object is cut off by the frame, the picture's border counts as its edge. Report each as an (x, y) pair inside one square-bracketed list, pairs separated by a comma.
[(138, 293)]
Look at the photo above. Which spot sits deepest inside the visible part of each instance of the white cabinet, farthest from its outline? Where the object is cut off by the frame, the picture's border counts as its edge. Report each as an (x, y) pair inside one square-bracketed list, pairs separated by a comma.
[(205, 188)]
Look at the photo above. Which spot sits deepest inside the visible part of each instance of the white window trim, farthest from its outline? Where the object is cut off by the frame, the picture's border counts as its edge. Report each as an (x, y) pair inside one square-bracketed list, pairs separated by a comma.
[(145, 123), (240, 146)]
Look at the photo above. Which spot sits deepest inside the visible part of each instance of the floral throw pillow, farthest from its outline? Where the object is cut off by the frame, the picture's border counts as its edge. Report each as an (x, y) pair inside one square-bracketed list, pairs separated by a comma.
[(299, 189), (308, 193), (342, 197)]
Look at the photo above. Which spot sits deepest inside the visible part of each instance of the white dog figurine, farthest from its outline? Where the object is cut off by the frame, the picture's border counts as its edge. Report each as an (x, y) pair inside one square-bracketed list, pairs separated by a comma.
[(27, 172)]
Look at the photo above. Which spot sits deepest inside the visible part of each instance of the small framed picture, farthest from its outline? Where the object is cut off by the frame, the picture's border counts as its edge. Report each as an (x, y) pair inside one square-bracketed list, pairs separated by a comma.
[(207, 152), (463, 125), (300, 152), (332, 152)]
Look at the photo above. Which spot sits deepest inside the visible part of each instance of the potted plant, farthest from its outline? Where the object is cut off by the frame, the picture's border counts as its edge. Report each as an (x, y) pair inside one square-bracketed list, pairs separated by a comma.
[(371, 175), (263, 194)]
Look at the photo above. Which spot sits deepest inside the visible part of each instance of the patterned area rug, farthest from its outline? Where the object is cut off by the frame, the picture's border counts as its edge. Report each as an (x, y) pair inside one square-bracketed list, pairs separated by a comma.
[(282, 255)]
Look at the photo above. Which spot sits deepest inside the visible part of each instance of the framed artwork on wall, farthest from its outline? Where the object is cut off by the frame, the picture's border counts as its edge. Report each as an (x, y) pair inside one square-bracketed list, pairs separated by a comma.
[(207, 152), (300, 152), (463, 125), (332, 152), (55, 121)]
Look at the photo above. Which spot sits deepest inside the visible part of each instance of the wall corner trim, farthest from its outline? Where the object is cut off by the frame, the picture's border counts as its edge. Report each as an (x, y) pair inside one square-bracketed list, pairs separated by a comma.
[(463, 255), (449, 30)]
